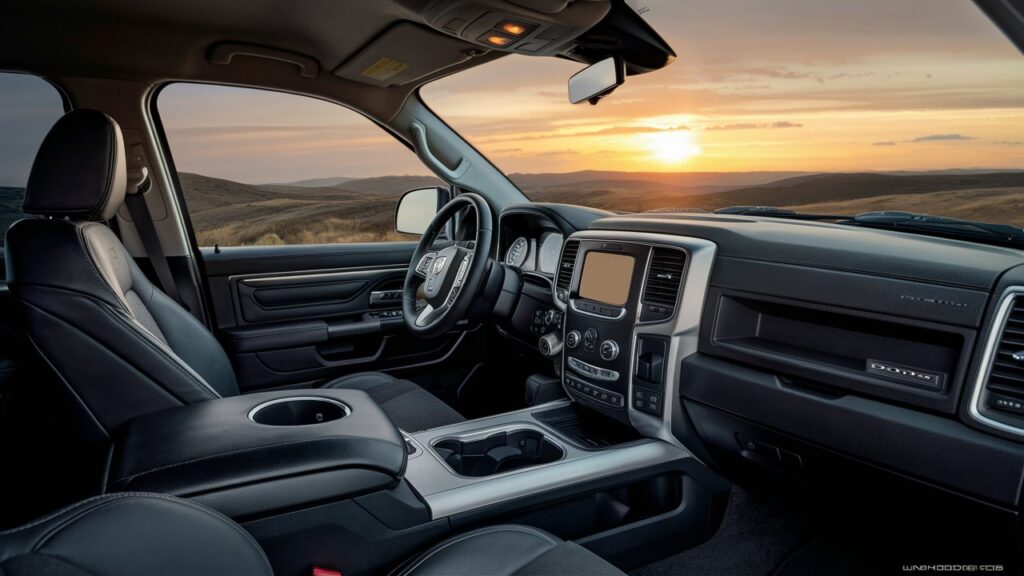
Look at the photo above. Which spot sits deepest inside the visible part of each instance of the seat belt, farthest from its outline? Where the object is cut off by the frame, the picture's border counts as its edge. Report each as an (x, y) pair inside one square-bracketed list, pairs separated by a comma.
[(137, 207)]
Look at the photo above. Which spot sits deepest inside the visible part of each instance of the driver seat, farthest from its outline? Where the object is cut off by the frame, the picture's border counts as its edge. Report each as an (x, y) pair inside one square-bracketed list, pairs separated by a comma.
[(121, 345)]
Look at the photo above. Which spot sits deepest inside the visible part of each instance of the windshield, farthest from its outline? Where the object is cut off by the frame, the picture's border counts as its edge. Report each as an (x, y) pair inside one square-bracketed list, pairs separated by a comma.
[(824, 107)]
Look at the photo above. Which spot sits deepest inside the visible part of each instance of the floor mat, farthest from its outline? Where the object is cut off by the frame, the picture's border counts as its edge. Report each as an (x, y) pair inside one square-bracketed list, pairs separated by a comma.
[(757, 535), (762, 535)]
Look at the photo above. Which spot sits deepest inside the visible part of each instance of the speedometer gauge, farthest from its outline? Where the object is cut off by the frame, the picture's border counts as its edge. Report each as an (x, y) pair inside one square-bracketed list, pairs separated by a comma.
[(516, 254)]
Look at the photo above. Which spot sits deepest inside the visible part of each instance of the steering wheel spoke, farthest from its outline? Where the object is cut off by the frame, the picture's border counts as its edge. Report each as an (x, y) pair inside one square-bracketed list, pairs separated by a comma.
[(429, 315), (424, 264)]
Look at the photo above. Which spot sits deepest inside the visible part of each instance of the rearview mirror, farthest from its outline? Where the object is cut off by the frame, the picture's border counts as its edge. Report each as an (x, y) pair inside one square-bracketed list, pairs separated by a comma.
[(596, 81), (417, 208)]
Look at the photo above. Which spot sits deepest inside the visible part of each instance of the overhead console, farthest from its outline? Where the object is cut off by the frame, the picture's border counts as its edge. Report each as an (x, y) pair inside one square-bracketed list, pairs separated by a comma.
[(535, 27), (633, 304)]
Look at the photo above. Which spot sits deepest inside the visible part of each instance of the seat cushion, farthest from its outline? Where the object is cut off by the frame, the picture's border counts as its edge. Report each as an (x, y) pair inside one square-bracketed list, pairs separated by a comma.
[(507, 550), (409, 407)]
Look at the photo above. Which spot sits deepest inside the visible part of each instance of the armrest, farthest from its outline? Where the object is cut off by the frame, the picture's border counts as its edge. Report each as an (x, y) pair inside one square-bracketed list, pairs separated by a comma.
[(217, 453)]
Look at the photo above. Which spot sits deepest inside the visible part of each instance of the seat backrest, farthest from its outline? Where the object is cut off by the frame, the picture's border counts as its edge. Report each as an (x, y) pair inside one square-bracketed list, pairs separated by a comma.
[(120, 344), (131, 534)]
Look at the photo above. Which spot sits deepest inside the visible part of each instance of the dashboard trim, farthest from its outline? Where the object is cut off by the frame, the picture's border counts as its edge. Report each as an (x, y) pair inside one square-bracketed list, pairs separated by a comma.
[(988, 359), (682, 329)]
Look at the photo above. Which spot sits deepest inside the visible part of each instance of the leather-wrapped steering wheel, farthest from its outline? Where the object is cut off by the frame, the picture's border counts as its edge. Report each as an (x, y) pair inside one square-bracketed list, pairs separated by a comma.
[(450, 276)]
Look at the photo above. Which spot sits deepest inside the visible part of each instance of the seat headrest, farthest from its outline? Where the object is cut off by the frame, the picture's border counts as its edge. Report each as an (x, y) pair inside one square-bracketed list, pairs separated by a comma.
[(79, 171)]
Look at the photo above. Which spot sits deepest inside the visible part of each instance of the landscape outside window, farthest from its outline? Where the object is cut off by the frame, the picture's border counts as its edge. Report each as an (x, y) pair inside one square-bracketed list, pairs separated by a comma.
[(264, 168), (821, 106)]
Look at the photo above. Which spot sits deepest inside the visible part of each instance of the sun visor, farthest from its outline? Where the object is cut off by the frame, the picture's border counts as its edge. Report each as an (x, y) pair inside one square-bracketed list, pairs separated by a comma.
[(404, 53)]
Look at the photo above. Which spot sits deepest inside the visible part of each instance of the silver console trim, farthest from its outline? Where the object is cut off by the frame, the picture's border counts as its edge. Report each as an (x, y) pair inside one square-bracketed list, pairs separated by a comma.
[(988, 358), (446, 493), (261, 406), (540, 479), (682, 329), (484, 433)]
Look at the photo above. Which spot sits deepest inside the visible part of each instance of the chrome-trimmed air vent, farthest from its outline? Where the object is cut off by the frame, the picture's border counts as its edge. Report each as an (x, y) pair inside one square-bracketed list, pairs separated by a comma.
[(661, 286), (998, 396), (566, 265)]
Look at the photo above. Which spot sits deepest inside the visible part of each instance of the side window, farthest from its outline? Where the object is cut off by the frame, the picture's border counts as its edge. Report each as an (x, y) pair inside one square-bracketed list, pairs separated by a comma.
[(28, 108), (261, 168)]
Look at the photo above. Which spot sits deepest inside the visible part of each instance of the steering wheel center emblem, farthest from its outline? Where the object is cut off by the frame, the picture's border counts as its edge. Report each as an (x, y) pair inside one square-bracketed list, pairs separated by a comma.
[(439, 263)]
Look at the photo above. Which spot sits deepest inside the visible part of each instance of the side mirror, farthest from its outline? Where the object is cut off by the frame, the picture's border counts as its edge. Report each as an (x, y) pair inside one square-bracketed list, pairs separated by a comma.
[(597, 80), (416, 209)]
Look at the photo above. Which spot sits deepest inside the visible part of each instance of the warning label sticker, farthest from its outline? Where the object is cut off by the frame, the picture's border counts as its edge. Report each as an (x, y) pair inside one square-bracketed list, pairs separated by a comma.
[(384, 68)]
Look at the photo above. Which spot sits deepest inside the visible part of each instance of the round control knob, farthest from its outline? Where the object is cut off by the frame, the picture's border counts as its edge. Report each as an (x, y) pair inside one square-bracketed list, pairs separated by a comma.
[(609, 350), (572, 339), (549, 344)]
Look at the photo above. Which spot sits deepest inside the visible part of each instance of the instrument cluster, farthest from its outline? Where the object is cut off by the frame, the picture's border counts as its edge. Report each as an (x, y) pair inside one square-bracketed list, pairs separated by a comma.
[(535, 254)]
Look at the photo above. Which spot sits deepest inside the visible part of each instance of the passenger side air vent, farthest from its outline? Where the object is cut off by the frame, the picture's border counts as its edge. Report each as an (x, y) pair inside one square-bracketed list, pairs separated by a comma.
[(565, 269), (661, 290), (1004, 387)]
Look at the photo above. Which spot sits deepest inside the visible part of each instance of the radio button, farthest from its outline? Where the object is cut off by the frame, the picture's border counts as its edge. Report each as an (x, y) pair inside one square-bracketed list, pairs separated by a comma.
[(609, 350), (572, 339)]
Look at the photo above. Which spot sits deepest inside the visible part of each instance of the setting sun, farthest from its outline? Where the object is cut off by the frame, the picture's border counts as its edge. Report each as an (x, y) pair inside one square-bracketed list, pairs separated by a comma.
[(672, 147)]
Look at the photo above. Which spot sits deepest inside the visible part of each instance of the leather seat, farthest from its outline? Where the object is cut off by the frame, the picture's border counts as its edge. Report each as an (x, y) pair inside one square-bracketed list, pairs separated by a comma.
[(121, 345), (135, 533)]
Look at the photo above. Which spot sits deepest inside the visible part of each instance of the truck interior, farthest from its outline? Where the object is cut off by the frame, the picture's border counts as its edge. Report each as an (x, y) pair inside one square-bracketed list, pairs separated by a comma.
[(212, 366)]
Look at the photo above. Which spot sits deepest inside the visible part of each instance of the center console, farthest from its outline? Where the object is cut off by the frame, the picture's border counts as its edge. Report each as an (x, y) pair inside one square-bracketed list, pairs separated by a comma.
[(632, 311)]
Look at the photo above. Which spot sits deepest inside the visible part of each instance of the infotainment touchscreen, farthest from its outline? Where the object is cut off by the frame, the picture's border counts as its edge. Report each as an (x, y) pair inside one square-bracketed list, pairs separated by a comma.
[(606, 277)]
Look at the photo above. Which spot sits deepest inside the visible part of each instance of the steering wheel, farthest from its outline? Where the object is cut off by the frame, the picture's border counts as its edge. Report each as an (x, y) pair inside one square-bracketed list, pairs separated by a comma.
[(450, 276)]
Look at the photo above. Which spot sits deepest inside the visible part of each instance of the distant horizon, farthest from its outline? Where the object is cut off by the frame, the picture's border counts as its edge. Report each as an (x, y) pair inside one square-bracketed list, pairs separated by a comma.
[(979, 170)]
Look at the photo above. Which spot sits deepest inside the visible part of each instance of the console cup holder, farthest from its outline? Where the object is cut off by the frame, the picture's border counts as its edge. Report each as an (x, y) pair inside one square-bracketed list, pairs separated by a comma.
[(298, 411), (499, 452)]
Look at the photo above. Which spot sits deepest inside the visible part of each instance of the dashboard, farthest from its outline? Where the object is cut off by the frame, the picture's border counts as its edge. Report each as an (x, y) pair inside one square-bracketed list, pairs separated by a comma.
[(804, 347)]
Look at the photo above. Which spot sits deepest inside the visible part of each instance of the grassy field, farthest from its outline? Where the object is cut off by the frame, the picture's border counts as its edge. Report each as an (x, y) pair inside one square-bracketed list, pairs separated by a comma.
[(362, 210), (234, 214)]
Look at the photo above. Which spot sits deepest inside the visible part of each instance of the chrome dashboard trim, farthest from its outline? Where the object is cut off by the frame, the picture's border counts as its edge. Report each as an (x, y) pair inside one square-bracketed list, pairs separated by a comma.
[(988, 359)]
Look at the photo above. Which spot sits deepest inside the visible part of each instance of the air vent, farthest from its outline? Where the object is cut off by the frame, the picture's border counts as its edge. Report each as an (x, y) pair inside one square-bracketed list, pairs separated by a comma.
[(565, 268), (661, 289), (1005, 383)]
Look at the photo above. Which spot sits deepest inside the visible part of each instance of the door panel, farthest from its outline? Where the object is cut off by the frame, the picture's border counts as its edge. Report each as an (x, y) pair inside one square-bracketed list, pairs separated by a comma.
[(301, 315), (311, 295)]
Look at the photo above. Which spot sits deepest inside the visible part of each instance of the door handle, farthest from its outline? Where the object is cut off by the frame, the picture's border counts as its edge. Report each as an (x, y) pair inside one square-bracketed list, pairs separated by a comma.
[(383, 297)]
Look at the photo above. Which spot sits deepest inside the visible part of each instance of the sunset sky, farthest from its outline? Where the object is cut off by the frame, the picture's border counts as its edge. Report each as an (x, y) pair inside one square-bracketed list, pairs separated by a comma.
[(767, 85), (789, 85)]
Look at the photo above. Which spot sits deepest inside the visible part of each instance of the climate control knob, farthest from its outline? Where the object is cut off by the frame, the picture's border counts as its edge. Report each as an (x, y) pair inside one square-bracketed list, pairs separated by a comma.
[(572, 339), (609, 350)]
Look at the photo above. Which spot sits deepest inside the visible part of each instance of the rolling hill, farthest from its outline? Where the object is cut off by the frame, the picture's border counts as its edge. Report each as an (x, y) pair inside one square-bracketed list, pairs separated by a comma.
[(353, 210)]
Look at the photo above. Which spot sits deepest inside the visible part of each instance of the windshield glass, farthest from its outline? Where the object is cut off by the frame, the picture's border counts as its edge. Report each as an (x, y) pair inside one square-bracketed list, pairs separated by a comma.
[(824, 107)]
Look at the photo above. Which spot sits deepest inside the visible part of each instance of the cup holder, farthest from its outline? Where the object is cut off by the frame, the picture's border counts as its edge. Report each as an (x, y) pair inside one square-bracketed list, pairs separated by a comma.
[(497, 453), (298, 411)]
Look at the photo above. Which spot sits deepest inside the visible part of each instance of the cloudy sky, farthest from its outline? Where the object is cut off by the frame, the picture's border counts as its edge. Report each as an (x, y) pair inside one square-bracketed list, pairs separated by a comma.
[(829, 85)]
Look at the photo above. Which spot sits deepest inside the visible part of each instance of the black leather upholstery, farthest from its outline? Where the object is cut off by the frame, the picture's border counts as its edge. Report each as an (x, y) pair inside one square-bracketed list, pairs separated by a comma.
[(120, 344), (136, 533), (215, 454), (79, 171), (507, 550), (409, 407), (131, 534)]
